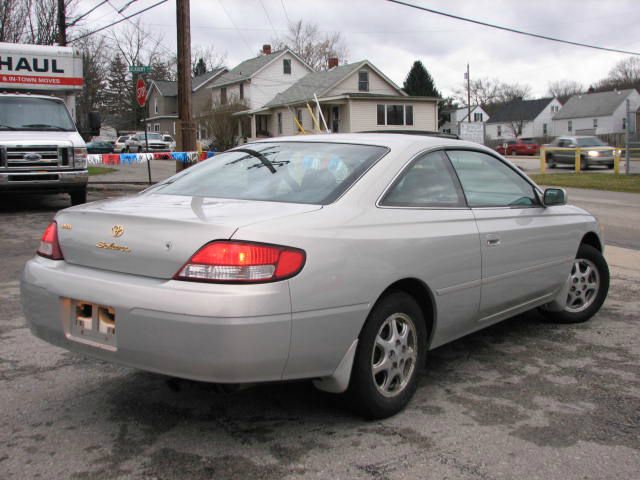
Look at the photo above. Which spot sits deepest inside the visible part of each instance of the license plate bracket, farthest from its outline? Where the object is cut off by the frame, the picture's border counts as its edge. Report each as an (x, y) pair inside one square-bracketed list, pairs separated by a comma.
[(93, 324)]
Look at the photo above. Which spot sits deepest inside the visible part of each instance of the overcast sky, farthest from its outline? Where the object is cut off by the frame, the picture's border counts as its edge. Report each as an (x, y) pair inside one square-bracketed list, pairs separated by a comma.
[(393, 36)]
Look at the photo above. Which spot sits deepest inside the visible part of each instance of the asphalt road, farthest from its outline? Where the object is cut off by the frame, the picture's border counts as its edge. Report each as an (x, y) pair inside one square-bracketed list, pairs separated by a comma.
[(523, 399)]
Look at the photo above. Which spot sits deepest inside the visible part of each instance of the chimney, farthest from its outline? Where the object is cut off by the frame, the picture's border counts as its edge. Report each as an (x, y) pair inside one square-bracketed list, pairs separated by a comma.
[(332, 63), (266, 49)]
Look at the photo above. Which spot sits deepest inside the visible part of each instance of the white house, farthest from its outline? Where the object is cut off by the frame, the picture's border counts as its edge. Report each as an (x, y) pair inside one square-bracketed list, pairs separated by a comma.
[(523, 119), (452, 118), (354, 97), (596, 113)]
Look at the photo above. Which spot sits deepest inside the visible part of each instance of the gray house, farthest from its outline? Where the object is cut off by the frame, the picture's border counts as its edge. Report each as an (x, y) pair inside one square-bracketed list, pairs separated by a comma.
[(596, 113), (162, 103)]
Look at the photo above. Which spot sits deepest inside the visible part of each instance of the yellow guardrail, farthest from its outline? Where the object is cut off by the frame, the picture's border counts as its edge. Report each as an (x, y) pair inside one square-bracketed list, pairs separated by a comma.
[(617, 154)]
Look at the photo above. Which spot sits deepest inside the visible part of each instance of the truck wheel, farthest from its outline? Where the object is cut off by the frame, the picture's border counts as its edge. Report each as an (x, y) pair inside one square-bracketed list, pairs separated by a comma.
[(78, 197)]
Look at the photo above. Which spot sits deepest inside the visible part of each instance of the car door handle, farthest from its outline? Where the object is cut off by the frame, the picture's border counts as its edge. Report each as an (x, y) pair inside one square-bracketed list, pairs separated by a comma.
[(493, 241)]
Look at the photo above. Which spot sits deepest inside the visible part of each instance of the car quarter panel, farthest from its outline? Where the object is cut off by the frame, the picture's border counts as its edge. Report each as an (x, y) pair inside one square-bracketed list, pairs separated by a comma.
[(353, 255)]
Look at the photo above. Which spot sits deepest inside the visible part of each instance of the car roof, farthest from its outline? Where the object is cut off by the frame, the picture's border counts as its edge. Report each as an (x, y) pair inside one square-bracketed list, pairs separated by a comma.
[(389, 140)]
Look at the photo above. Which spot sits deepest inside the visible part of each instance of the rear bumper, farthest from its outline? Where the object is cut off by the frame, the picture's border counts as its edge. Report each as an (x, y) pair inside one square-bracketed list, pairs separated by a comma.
[(54, 180), (205, 332)]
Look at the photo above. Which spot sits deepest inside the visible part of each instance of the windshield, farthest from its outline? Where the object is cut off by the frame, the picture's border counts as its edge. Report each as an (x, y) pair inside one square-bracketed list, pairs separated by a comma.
[(297, 172), (590, 142), (21, 113), (150, 136)]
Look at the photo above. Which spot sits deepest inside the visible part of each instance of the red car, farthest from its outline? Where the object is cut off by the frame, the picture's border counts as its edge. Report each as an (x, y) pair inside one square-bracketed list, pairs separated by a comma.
[(521, 146)]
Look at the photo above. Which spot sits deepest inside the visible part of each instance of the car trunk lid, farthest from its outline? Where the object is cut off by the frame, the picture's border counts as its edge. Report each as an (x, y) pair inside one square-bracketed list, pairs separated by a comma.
[(154, 235)]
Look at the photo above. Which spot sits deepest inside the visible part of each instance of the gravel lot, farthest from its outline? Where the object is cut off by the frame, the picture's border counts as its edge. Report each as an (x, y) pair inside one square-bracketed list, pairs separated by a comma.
[(523, 399)]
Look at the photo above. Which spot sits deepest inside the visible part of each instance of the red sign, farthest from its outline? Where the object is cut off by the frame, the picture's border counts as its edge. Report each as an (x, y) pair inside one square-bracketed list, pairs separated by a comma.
[(141, 92)]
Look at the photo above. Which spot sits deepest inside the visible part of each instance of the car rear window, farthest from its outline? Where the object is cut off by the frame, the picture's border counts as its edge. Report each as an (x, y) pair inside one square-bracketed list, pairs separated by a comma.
[(296, 172)]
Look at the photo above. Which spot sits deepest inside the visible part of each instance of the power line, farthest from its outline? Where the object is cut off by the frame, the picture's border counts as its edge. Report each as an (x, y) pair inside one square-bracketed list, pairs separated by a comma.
[(285, 12), (268, 17), (77, 19), (127, 6), (235, 26), (121, 20), (513, 30)]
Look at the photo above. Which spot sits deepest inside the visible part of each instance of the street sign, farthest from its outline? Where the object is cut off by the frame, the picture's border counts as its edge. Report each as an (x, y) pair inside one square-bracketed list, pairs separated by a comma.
[(141, 92), (139, 69)]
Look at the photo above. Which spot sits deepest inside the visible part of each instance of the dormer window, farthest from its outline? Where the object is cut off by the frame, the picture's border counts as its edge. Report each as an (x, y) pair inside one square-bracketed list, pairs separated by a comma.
[(363, 81), (286, 66)]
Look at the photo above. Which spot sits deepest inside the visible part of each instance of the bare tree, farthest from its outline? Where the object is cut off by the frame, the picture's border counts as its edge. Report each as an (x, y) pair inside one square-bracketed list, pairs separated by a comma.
[(211, 58), (94, 67), (13, 17), (563, 89), (312, 45), (220, 123), (626, 72)]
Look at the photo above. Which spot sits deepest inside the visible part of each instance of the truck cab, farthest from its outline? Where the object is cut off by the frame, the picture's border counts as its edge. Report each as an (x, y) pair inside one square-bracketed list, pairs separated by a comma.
[(40, 147)]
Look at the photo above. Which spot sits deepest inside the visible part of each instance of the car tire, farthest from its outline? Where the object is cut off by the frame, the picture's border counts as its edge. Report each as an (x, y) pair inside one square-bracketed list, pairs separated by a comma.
[(78, 197), (583, 302), (396, 318), (551, 163)]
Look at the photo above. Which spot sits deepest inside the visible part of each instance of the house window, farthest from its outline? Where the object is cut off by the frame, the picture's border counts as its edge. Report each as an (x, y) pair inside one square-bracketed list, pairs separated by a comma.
[(554, 108), (241, 88), (570, 126), (595, 123), (299, 117), (155, 105), (174, 128), (149, 127), (223, 95), (363, 81), (394, 114), (544, 129), (499, 131), (624, 123), (156, 127), (381, 115), (477, 117), (408, 115), (286, 66), (280, 123)]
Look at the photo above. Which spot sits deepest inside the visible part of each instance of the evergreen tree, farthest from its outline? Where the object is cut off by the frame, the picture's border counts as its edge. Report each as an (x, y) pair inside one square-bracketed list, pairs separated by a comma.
[(419, 82), (200, 68), (119, 95)]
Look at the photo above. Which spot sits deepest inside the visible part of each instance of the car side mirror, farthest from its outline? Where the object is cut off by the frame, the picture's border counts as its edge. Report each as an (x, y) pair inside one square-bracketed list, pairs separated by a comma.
[(554, 196)]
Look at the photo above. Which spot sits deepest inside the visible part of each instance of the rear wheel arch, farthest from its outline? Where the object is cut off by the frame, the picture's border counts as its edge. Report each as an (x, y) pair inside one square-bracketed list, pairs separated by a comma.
[(592, 239), (423, 295)]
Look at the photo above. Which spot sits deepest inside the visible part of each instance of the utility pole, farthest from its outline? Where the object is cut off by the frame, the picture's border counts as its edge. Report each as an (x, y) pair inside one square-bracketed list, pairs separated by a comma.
[(468, 95), (185, 111), (62, 24)]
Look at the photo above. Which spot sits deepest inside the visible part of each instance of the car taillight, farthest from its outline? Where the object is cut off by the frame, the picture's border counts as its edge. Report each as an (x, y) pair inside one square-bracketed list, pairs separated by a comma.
[(49, 246), (242, 262)]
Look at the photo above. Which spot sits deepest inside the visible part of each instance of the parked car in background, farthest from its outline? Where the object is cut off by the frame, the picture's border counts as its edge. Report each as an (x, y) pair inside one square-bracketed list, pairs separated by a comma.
[(100, 146), (593, 152), (169, 139), (520, 146), (121, 145), (138, 143), (338, 258)]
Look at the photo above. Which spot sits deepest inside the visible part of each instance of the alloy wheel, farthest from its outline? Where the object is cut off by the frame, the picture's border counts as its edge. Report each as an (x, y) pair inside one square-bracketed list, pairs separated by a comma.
[(584, 285)]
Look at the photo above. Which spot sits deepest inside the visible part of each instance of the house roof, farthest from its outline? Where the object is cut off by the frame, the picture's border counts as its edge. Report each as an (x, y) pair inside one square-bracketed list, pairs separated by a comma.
[(519, 110), (247, 69), (599, 104), (322, 82), (170, 89)]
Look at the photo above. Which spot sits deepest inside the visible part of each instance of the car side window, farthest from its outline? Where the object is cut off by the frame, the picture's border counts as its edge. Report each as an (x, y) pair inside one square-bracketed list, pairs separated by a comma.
[(428, 182), (487, 182)]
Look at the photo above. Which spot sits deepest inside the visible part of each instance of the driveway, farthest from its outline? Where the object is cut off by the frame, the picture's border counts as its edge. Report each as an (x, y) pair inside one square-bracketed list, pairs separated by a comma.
[(523, 399)]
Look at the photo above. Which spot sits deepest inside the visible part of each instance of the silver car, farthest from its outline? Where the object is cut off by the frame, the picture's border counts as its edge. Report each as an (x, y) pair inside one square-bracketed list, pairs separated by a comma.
[(593, 152), (337, 258)]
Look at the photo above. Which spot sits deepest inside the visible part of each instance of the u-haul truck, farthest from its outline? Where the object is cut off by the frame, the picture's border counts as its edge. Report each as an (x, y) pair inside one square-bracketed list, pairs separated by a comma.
[(40, 147)]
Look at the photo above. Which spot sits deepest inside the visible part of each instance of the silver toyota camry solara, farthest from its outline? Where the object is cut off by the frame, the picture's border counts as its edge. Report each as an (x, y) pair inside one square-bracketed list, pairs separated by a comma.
[(337, 258)]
